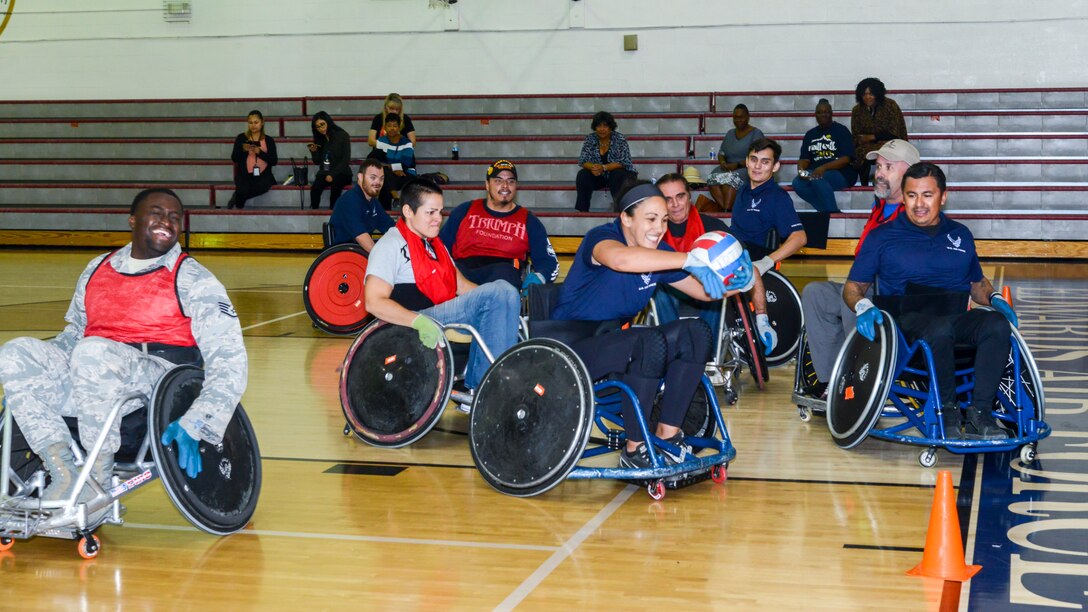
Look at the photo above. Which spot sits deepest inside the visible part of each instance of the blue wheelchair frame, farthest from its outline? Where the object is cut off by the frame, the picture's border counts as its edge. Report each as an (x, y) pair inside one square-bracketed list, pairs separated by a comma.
[(608, 409), (922, 409)]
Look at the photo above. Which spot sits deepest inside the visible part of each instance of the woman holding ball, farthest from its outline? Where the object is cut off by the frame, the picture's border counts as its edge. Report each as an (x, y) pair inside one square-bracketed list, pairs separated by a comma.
[(614, 274)]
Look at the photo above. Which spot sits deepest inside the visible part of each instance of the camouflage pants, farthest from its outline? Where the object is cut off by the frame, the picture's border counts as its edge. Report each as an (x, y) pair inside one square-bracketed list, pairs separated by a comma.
[(42, 385)]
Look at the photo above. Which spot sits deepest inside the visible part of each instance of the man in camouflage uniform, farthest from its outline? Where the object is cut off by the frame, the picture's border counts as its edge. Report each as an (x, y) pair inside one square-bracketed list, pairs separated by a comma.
[(135, 313)]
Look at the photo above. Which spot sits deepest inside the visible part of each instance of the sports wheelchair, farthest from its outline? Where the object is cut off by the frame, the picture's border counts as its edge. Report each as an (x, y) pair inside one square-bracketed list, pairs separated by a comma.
[(738, 345), (531, 417), (221, 500), (894, 380), (333, 290)]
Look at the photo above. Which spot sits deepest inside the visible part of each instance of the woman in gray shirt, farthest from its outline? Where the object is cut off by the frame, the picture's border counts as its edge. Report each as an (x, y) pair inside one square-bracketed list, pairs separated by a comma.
[(731, 174)]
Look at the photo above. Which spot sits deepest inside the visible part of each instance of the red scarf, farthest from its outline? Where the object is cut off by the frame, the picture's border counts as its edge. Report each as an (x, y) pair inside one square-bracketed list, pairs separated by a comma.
[(875, 221), (693, 230), (435, 278)]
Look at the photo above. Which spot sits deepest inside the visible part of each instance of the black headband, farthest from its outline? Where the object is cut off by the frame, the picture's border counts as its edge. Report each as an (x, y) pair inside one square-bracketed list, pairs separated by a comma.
[(639, 193)]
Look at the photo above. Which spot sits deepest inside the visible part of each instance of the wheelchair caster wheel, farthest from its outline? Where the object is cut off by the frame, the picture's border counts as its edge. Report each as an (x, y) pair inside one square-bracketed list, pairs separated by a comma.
[(928, 458), (347, 429), (731, 397), (656, 489), (6, 544), (804, 413), (1027, 453), (719, 473), (89, 547)]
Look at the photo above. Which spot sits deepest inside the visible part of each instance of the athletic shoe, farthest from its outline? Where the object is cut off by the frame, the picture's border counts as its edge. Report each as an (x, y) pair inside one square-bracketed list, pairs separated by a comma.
[(640, 459), (462, 397), (678, 441)]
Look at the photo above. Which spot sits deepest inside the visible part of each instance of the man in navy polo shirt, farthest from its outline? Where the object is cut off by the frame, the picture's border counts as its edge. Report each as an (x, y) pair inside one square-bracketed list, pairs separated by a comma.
[(924, 252), (358, 212), (762, 204)]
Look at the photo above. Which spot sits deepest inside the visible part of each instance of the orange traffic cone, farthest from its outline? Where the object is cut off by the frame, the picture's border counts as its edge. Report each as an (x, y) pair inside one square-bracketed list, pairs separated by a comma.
[(1006, 292), (943, 555)]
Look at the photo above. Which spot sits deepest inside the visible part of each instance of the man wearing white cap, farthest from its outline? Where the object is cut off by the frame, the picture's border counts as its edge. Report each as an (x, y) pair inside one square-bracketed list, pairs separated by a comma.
[(827, 319)]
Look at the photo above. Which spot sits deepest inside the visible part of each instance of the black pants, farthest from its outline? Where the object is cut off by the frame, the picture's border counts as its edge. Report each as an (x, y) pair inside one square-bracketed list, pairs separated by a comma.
[(986, 330), (586, 184), (248, 186), (393, 182), (640, 357), (336, 186)]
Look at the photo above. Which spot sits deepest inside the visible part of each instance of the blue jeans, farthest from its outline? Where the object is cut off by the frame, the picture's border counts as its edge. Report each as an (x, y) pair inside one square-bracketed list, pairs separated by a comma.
[(821, 192), (493, 309), (668, 302)]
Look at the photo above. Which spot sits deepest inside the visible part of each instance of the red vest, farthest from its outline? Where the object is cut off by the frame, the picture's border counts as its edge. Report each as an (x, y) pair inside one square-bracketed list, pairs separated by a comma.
[(484, 235), (134, 308), (692, 230), (875, 221)]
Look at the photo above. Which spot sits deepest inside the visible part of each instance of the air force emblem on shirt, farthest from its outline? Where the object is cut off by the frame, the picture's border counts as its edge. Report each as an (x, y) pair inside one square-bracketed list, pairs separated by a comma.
[(647, 282), (753, 204), (956, 242)]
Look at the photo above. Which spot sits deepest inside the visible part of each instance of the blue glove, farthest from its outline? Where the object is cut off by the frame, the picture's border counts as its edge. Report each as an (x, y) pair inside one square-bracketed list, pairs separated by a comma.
[(766, 333), (742, 279), (712, 283), (869, 317), (188, 448), (1004, 308), (532, 278)]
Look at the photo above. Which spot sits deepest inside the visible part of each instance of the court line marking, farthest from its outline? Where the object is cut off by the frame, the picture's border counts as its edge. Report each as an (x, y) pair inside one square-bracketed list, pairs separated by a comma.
[(353, 538), (277, 319), (525, 588), (972, 527)]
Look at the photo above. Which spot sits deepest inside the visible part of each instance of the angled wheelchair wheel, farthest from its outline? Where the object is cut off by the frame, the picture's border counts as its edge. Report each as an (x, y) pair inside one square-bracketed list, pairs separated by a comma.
[(805, 379), (1031, 386), (698, 422), (24, 462), (333, 290), (746, 345), (785, 315), (222, 499), (860, 383), (392, 388), (531, 418)]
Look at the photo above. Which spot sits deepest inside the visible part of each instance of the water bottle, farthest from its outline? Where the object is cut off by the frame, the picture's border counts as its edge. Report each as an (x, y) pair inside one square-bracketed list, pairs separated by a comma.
[(712, 155), (326, 164), (454, 152)]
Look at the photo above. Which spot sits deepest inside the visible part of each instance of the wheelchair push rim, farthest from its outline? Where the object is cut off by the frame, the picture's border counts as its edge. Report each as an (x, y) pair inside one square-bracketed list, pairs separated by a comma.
[(393, 389), (532, 417), (785, 315), (221, 500), (860, 383), (333, 290)]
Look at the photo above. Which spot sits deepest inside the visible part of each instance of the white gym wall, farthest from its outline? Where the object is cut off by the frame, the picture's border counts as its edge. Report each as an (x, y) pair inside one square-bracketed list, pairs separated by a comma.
[(89, 49)]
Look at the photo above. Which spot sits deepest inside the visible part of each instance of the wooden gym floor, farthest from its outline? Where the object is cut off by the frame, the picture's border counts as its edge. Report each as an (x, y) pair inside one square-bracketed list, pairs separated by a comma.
[(799, 523)]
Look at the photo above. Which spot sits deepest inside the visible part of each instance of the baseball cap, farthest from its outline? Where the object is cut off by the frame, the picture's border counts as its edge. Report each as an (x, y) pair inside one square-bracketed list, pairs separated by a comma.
[(897, 150), (503, 164)]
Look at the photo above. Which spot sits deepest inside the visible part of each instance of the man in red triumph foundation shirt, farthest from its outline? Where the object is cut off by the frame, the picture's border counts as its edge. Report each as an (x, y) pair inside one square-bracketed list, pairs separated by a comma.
[(494, 238)]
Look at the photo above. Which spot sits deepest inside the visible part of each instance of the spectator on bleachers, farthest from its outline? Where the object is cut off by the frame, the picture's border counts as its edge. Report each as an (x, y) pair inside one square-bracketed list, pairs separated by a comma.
[(605, 160), (331, 152), (731, 175), (824, 164), (254, 155), (399, 156), (393, 104), (875, 120)]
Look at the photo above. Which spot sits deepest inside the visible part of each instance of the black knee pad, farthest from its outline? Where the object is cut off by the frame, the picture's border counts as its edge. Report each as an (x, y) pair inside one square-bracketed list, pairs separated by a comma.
[(648, 354), (694, 341)]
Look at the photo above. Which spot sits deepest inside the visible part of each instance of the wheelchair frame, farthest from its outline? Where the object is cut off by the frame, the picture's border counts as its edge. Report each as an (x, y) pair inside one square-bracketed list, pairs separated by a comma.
[(920, 410)]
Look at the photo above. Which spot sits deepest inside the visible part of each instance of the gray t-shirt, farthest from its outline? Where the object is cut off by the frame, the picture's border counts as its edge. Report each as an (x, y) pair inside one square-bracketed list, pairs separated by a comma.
[(734, 149), (389, 260)]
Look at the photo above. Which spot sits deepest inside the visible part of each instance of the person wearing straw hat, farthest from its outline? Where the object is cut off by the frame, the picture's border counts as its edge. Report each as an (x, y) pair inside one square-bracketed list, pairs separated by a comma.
[(685, 224)]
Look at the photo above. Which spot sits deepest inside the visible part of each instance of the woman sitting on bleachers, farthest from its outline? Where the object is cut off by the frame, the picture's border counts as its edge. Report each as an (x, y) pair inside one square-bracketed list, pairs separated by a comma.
[(875, 120), (730, 175), (605, 161), (393, 104), (254, 155), (331, 151)]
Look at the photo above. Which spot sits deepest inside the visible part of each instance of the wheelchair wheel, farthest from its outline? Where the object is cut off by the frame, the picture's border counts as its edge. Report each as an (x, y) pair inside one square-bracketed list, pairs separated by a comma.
[(698, 422), (860, 383), (532, 417), (24, 462), (333, 290), (746, 344), (805, 379), (392, 388), (785, 315), (1030, 384), (222, 499)]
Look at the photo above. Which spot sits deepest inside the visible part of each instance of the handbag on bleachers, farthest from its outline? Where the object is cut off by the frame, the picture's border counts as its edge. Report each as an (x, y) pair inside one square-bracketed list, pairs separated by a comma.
[(300, 175)]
